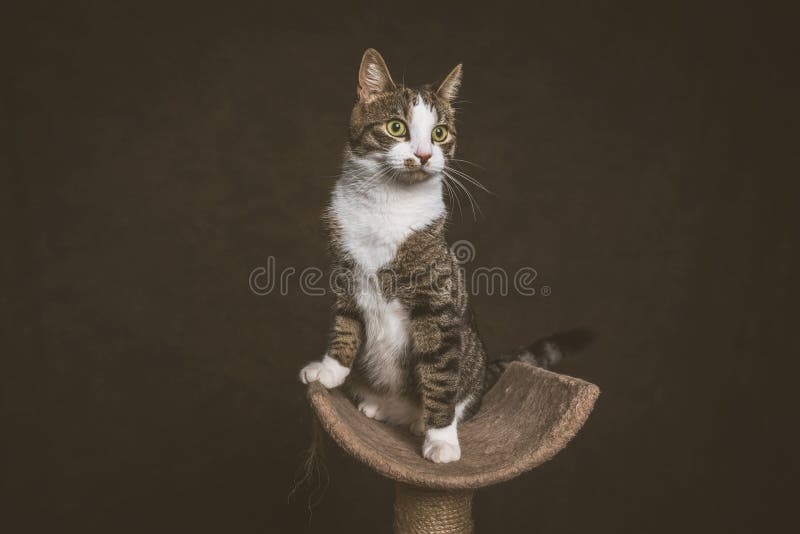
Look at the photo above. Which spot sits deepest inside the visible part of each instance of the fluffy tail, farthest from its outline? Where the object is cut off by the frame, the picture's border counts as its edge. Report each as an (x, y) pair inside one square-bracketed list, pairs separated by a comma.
[(544, 353)]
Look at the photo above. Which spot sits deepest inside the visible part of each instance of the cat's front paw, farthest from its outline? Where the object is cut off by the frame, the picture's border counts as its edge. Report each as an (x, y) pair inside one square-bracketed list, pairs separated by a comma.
[(441, 452), (441, 444), (329, 372)]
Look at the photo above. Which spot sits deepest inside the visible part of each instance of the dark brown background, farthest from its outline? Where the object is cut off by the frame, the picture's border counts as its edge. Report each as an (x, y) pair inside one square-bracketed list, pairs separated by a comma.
[(153, 156)]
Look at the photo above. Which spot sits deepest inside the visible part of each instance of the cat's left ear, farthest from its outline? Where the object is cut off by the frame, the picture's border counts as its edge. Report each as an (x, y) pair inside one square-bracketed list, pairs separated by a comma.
[(448, 89)]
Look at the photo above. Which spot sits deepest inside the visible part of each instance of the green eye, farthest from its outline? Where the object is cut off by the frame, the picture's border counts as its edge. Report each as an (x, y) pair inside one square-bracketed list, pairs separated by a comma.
[(396, 128), (439, 134)]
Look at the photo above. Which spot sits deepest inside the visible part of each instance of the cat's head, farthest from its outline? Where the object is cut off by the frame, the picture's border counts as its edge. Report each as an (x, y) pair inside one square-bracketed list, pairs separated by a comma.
[(401, 133)]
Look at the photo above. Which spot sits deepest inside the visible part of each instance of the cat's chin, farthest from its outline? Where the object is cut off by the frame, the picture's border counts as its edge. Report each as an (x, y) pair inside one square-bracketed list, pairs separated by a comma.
[(413, 176)]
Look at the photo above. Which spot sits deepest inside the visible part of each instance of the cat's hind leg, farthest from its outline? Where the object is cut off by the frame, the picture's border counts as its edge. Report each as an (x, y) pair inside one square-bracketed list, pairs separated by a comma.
[(389, 408), (372, 409)]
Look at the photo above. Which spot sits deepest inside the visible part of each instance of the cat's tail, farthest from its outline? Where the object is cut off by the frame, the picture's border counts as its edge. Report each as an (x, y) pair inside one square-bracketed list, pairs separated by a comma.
[(544, 353)]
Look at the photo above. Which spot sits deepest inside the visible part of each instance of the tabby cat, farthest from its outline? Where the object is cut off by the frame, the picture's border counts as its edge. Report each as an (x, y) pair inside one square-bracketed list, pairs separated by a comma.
[(404, 340)]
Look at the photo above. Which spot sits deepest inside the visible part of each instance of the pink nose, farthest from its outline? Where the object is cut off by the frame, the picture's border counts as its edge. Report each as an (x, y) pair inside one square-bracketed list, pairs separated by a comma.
[(423, 157)]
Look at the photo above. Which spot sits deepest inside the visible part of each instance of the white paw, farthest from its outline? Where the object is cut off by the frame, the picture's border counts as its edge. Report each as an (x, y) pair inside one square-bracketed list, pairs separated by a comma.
[(441, 452), (328, 372), (371, 410), (417, 427), (441, 444)]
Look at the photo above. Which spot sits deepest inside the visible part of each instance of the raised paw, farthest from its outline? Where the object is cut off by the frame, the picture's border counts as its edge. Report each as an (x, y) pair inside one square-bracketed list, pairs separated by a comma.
[(327, 372), (371, 410), (441, 452)]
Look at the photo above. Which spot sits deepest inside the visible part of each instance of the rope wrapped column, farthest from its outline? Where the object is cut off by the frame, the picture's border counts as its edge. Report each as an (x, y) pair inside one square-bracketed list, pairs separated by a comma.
[(424, 511)]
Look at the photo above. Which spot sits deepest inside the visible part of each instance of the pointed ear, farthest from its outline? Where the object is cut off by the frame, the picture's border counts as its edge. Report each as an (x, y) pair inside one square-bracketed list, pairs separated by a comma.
[(448, 89), (373, 76)]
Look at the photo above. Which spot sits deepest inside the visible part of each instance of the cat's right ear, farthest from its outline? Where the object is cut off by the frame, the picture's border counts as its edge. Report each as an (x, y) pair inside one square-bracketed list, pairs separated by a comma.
[(373, 76)]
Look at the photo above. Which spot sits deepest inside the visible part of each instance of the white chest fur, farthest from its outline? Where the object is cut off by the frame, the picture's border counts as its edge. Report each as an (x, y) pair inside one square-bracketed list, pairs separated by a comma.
[(373, 224)]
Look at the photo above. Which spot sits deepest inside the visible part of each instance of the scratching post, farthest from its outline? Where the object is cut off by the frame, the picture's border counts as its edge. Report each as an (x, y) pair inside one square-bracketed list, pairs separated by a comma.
[(524, 420), (424, 511)]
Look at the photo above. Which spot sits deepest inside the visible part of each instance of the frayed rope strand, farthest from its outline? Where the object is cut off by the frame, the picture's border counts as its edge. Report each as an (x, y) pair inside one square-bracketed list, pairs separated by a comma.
[(312, 473)]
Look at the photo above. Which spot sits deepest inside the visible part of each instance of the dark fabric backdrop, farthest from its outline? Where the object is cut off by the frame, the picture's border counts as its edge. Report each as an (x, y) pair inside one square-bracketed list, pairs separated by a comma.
[(153, 155)]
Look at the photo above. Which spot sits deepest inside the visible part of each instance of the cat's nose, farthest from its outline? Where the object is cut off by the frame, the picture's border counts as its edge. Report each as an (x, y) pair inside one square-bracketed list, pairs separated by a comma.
[(423, 156)]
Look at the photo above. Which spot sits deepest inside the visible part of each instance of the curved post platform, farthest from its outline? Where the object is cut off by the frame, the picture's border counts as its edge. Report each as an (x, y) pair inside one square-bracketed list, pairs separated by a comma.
[(524, 420)]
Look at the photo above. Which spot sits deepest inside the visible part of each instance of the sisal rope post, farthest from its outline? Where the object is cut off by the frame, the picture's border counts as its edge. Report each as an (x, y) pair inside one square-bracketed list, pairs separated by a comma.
[(425, 511)]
